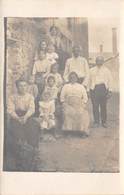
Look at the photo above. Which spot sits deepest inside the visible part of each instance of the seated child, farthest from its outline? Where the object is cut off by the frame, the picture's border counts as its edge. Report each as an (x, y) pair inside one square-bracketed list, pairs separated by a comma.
[(51, 88), (51, 55), (47, 110), (57, 76), (32, 87)]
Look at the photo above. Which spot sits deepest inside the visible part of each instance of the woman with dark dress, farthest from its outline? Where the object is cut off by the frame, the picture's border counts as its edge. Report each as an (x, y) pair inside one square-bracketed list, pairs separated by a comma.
[(22, 136)]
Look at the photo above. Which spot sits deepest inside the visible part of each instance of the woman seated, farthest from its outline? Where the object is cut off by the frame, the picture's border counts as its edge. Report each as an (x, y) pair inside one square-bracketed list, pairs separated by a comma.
[(22, 129), (74, 99)]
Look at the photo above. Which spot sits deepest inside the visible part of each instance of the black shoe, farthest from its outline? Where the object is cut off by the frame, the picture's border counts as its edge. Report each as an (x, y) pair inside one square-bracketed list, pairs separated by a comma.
[(104, 125)]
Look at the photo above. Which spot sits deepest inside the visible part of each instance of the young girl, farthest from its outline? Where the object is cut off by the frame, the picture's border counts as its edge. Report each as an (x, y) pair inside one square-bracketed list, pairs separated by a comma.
[(51, 87), (47, 117), (57, 76), (51, 55)]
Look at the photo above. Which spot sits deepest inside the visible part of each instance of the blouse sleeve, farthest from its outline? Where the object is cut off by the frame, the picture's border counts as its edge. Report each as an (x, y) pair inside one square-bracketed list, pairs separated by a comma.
[(56, 56), (86, 80), (11, 108), (31, 108), (66, 72), (63, 94), (84, 94)]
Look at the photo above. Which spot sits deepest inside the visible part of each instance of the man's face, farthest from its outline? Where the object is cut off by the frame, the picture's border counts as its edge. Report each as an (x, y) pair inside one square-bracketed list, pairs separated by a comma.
[(76, 52), (22, 87), (99, 61)]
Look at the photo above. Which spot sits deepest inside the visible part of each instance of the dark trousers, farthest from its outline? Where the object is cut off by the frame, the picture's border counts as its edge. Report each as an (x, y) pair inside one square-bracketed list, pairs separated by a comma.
[(99, 103)]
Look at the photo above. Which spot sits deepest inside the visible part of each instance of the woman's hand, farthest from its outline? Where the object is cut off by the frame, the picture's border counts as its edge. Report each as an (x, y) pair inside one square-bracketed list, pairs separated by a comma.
[(23, 119)]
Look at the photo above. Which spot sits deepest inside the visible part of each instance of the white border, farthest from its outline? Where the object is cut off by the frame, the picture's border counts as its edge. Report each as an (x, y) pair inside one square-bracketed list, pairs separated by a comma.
[(65, 183)]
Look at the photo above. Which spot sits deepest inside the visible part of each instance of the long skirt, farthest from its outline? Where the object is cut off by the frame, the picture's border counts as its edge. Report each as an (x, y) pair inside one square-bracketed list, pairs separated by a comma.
[(75, 118), (21, 142)]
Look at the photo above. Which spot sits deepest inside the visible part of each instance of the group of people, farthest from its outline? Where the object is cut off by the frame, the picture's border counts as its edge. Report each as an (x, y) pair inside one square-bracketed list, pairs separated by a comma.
[(49, 101)]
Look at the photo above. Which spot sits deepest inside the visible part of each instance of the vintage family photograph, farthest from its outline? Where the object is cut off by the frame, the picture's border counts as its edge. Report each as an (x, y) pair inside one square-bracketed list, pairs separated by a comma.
[(61, 94)]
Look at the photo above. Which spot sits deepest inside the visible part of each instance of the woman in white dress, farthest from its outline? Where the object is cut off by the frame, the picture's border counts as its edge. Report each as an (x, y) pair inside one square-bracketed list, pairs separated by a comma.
[(74, 100)]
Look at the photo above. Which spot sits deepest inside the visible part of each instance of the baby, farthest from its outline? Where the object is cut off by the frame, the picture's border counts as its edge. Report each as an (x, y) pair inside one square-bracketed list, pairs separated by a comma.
[(32, 87), (51, 55)]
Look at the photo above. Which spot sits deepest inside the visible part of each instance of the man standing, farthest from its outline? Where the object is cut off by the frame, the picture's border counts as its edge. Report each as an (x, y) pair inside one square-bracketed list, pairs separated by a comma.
[(79, 65), (100, 90)]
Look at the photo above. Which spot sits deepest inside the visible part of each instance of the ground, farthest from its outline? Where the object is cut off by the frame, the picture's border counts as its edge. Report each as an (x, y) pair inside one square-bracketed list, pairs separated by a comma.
[(97, 153)]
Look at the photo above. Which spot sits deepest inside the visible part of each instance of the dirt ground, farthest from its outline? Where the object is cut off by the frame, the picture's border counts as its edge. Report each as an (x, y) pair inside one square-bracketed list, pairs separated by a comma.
[(97, 153)]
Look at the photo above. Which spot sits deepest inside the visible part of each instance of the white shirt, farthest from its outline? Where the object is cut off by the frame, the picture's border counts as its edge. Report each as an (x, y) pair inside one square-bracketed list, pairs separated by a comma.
[(100, 75), (75, 90), (78, 65), (21, 102), (41, 66)]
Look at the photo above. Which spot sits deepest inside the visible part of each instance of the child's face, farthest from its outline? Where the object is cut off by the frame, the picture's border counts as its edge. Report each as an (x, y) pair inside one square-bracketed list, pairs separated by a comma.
[(51, 82), (54, 69)]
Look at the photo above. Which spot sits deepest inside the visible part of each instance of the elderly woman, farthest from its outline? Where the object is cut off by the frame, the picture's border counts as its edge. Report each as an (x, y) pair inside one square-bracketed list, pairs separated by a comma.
[(74, 99), (22, 130)]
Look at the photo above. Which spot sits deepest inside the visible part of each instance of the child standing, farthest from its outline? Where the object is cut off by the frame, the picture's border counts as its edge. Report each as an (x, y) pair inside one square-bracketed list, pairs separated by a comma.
[(46, 110)]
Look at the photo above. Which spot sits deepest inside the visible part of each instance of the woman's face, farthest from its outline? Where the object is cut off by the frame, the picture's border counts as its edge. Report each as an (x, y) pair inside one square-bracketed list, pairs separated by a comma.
[(54, 31), (43, 45), (22, 87), (73, 78)]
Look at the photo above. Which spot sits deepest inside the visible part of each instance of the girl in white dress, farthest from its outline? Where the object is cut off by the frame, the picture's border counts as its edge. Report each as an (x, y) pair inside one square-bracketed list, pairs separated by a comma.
[(47, 110)]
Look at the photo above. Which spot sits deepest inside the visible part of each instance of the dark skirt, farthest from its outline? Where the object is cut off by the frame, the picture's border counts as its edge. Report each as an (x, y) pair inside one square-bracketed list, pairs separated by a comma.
[(28, 132), (20, 145)]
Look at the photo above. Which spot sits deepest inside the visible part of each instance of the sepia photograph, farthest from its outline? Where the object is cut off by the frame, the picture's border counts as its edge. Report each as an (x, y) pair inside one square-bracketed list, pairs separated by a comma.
[(61, 94)]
